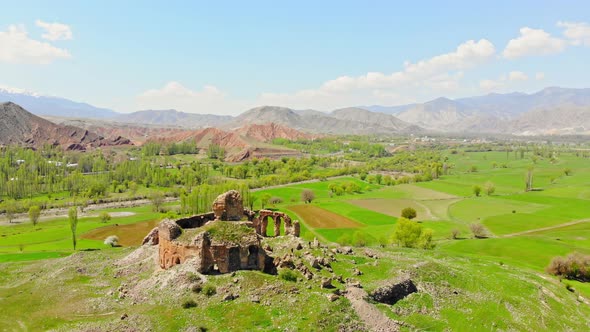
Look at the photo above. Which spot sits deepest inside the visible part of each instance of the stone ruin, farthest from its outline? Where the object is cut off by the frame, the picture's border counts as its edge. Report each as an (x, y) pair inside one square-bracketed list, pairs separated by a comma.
[(196, 239)]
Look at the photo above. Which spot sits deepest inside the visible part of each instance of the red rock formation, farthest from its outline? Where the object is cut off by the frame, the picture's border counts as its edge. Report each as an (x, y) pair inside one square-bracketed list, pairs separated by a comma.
[(17, 126)]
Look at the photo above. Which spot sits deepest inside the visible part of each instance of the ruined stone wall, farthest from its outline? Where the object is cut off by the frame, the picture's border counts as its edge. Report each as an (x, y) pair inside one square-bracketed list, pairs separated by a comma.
[(195, 221), (229, 206), (261, 223), (213, 256)]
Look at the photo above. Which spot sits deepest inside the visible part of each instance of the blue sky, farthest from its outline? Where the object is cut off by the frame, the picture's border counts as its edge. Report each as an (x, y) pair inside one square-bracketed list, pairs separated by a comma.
[(224, 57)]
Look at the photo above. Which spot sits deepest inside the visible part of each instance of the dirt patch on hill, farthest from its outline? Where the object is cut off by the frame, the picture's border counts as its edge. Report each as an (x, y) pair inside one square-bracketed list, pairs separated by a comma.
[(394, 207), (371, 316), (316, 217), (129, 235)]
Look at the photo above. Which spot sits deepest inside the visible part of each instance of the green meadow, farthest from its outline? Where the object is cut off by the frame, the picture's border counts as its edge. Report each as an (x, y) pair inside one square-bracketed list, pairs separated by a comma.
[(526, 229)]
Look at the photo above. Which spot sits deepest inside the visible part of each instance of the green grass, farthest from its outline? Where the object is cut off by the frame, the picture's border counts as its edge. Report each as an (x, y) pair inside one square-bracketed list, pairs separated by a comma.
[(30, 256), (55, 235)]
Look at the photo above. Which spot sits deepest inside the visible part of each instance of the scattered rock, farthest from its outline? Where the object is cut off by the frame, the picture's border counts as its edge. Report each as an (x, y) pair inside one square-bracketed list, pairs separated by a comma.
[(230, 297), (326, 283), (333, 297), (255, 299), (124, 316), (314, 262), (357, 272), (315, 243), (353, 283)]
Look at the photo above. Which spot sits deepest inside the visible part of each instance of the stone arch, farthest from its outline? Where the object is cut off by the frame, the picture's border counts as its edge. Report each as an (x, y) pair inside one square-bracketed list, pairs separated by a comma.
[(277, 220), (288, 225)]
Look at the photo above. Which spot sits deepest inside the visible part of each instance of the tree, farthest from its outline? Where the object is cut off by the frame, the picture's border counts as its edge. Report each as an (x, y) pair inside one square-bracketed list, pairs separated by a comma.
[(307, 196), (476, 190), (34, 214), (132, 188), (73, 219), (157, 199), (409, 213), (529, 180), (104, 216), (478, 230), (490, 188), (264, 199), (410, 234), (11, 207)]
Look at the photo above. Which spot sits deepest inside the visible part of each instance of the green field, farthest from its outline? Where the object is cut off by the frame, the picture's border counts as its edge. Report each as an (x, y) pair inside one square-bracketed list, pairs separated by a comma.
[(525, 231)]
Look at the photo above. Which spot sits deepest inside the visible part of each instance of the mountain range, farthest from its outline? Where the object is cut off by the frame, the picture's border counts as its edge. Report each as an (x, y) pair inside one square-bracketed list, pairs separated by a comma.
[(512, 113), (552, 110), (54, 106), (17, 126)]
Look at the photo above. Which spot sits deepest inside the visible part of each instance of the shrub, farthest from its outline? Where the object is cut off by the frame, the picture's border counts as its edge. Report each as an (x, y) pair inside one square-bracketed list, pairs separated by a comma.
[(209, 290), (410, 234), (478, 230), (275, 200), (104, 217), (197, 288), (476, 190), (345, 239), (567, 171), (455, 234), (574, 267), (383, 241), (112, 240), (189, 304), (288, 275), (409, 213), (307, 196), (360, 239), (425, 239), (490, 188), (192, 277)]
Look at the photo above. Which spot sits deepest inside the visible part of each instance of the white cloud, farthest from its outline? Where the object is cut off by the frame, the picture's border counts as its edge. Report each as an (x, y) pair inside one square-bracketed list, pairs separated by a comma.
[(174, 95), (577, 32), (55, 31), (423, 79), (533, 42), (517, 76), (539, 76), (17, 47)]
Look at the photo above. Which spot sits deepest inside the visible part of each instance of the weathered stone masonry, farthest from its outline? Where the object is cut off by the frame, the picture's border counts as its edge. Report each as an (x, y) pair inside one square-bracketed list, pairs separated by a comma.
[(178, 245)]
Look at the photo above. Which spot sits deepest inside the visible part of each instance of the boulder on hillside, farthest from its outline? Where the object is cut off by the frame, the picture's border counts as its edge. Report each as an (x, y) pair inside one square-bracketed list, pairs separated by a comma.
[(391, 294)]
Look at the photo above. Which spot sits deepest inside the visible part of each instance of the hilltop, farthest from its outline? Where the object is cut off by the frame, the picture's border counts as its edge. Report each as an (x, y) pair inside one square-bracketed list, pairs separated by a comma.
[(18, 126)]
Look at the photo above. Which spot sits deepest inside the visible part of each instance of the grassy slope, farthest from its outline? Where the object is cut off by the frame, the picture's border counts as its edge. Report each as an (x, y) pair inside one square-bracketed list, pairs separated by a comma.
[(454, 292)]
